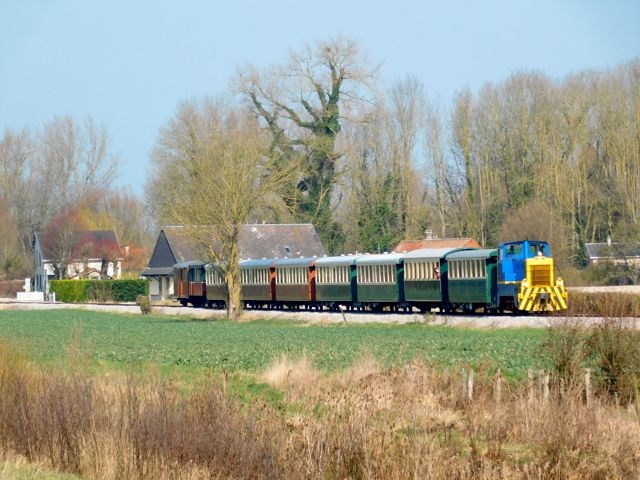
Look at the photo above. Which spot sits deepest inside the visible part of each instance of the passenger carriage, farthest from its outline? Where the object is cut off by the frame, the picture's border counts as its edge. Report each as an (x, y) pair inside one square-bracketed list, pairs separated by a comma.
[(380, 280), (295, 280), (216, 286), (425, 272), (336, 283), (189, 283), (258, 283), (471, 280)]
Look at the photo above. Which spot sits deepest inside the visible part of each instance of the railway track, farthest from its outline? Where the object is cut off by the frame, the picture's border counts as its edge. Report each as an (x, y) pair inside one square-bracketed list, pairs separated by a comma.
[(315, 316)]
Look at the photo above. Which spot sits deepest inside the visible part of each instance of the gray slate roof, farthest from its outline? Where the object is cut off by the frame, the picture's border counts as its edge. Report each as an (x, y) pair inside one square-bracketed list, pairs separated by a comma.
[(256, 241), (606, 251)]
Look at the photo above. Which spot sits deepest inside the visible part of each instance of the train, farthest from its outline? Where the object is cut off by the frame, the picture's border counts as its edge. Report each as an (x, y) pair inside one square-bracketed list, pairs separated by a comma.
[(515, 277)]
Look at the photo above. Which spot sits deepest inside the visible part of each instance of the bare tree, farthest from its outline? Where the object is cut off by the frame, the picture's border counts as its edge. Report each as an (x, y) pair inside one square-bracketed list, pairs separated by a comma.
[(302, 103), (45, 173), (215, 171), (438, 171)]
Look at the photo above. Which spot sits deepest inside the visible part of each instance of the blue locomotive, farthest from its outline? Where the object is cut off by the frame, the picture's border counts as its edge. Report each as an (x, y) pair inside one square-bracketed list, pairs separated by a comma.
[(517, 276)]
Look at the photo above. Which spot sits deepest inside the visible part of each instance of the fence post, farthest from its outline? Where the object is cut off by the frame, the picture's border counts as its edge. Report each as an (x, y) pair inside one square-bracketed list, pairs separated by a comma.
[(530, 390), (544, 384), (587, 386), (497, 387)]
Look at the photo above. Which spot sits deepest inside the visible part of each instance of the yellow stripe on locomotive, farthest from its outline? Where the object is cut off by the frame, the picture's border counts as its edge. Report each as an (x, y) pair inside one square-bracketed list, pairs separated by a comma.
[(539, 290)]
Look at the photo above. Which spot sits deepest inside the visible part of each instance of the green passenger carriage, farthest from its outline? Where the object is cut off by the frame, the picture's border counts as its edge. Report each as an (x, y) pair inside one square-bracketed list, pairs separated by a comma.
[(380, 281), (424, 271), (336, 281), (472, 279)]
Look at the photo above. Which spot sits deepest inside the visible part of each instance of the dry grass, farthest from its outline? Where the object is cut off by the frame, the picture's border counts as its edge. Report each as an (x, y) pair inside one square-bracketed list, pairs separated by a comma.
[(604, 304), (365, 423)]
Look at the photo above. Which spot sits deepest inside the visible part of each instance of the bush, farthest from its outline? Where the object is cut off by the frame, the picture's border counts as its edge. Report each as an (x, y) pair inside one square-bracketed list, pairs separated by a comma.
[(144, 302), (615, 344), (612, 347), (129, 290), (566, 346), (10, 288), (79, 291), (70, 291)]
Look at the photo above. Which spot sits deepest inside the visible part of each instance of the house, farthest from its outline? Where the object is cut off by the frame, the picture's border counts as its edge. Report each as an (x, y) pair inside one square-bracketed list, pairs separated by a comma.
[(83, 254), (433, 242), (616, 253), (256, 241)]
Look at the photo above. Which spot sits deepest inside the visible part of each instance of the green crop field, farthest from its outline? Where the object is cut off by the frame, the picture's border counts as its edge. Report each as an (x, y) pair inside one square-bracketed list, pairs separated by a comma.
[(169, 342)]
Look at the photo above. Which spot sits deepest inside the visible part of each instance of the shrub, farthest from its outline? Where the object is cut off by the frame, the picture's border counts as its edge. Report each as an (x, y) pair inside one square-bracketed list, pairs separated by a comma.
[(612, 347), (567, 349), (144, 302), (10, 288), (78, 291), (129, 290), (615, 344), (70, 291)]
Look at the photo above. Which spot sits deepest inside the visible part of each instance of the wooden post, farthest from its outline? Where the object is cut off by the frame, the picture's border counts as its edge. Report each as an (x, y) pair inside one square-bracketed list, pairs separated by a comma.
[(470, 385), (497, 387), (544, 384), (587, 386), (530, 390)]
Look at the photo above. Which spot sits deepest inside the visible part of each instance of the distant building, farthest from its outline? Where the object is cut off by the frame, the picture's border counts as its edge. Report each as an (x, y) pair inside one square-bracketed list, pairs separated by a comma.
[(85, 254), (256, 241), (613, 252), (430, 241)]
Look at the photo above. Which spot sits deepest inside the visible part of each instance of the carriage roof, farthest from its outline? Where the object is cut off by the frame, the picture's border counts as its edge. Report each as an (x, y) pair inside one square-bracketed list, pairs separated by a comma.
[(379, 259), (336, 260), (477, 253), (293, 262), (429, 253)]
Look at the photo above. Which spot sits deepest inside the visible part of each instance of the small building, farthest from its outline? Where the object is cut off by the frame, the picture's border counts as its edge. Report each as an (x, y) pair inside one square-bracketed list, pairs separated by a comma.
[(92, 254), (256, 241), (616, 253)]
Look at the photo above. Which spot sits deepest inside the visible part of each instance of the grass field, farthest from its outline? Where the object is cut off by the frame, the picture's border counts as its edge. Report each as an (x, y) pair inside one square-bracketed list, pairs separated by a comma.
[(290, 400), (130, 340)]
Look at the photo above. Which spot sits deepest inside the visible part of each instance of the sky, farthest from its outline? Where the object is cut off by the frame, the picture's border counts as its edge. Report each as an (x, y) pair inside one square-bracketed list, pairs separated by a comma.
[(129, 63)]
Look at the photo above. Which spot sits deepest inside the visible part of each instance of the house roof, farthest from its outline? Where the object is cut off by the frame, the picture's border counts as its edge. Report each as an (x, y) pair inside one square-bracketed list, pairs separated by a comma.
[(90, 244), (256, 241), (612, 250), (411, 245)]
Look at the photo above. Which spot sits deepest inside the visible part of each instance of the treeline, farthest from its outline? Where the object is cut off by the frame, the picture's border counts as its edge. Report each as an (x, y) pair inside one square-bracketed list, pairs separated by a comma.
[(319, 139), (531, 156)]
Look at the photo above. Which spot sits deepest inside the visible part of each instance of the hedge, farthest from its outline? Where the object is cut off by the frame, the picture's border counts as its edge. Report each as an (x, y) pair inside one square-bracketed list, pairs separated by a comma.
[(80, 291)]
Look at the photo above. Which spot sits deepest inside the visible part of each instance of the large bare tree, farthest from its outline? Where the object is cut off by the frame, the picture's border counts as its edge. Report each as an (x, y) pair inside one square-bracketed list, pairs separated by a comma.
[(213, 171), (303, 103)]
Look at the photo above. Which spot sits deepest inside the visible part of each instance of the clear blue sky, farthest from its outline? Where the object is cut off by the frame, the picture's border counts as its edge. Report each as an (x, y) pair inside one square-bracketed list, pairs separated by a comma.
[(128, 63)]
